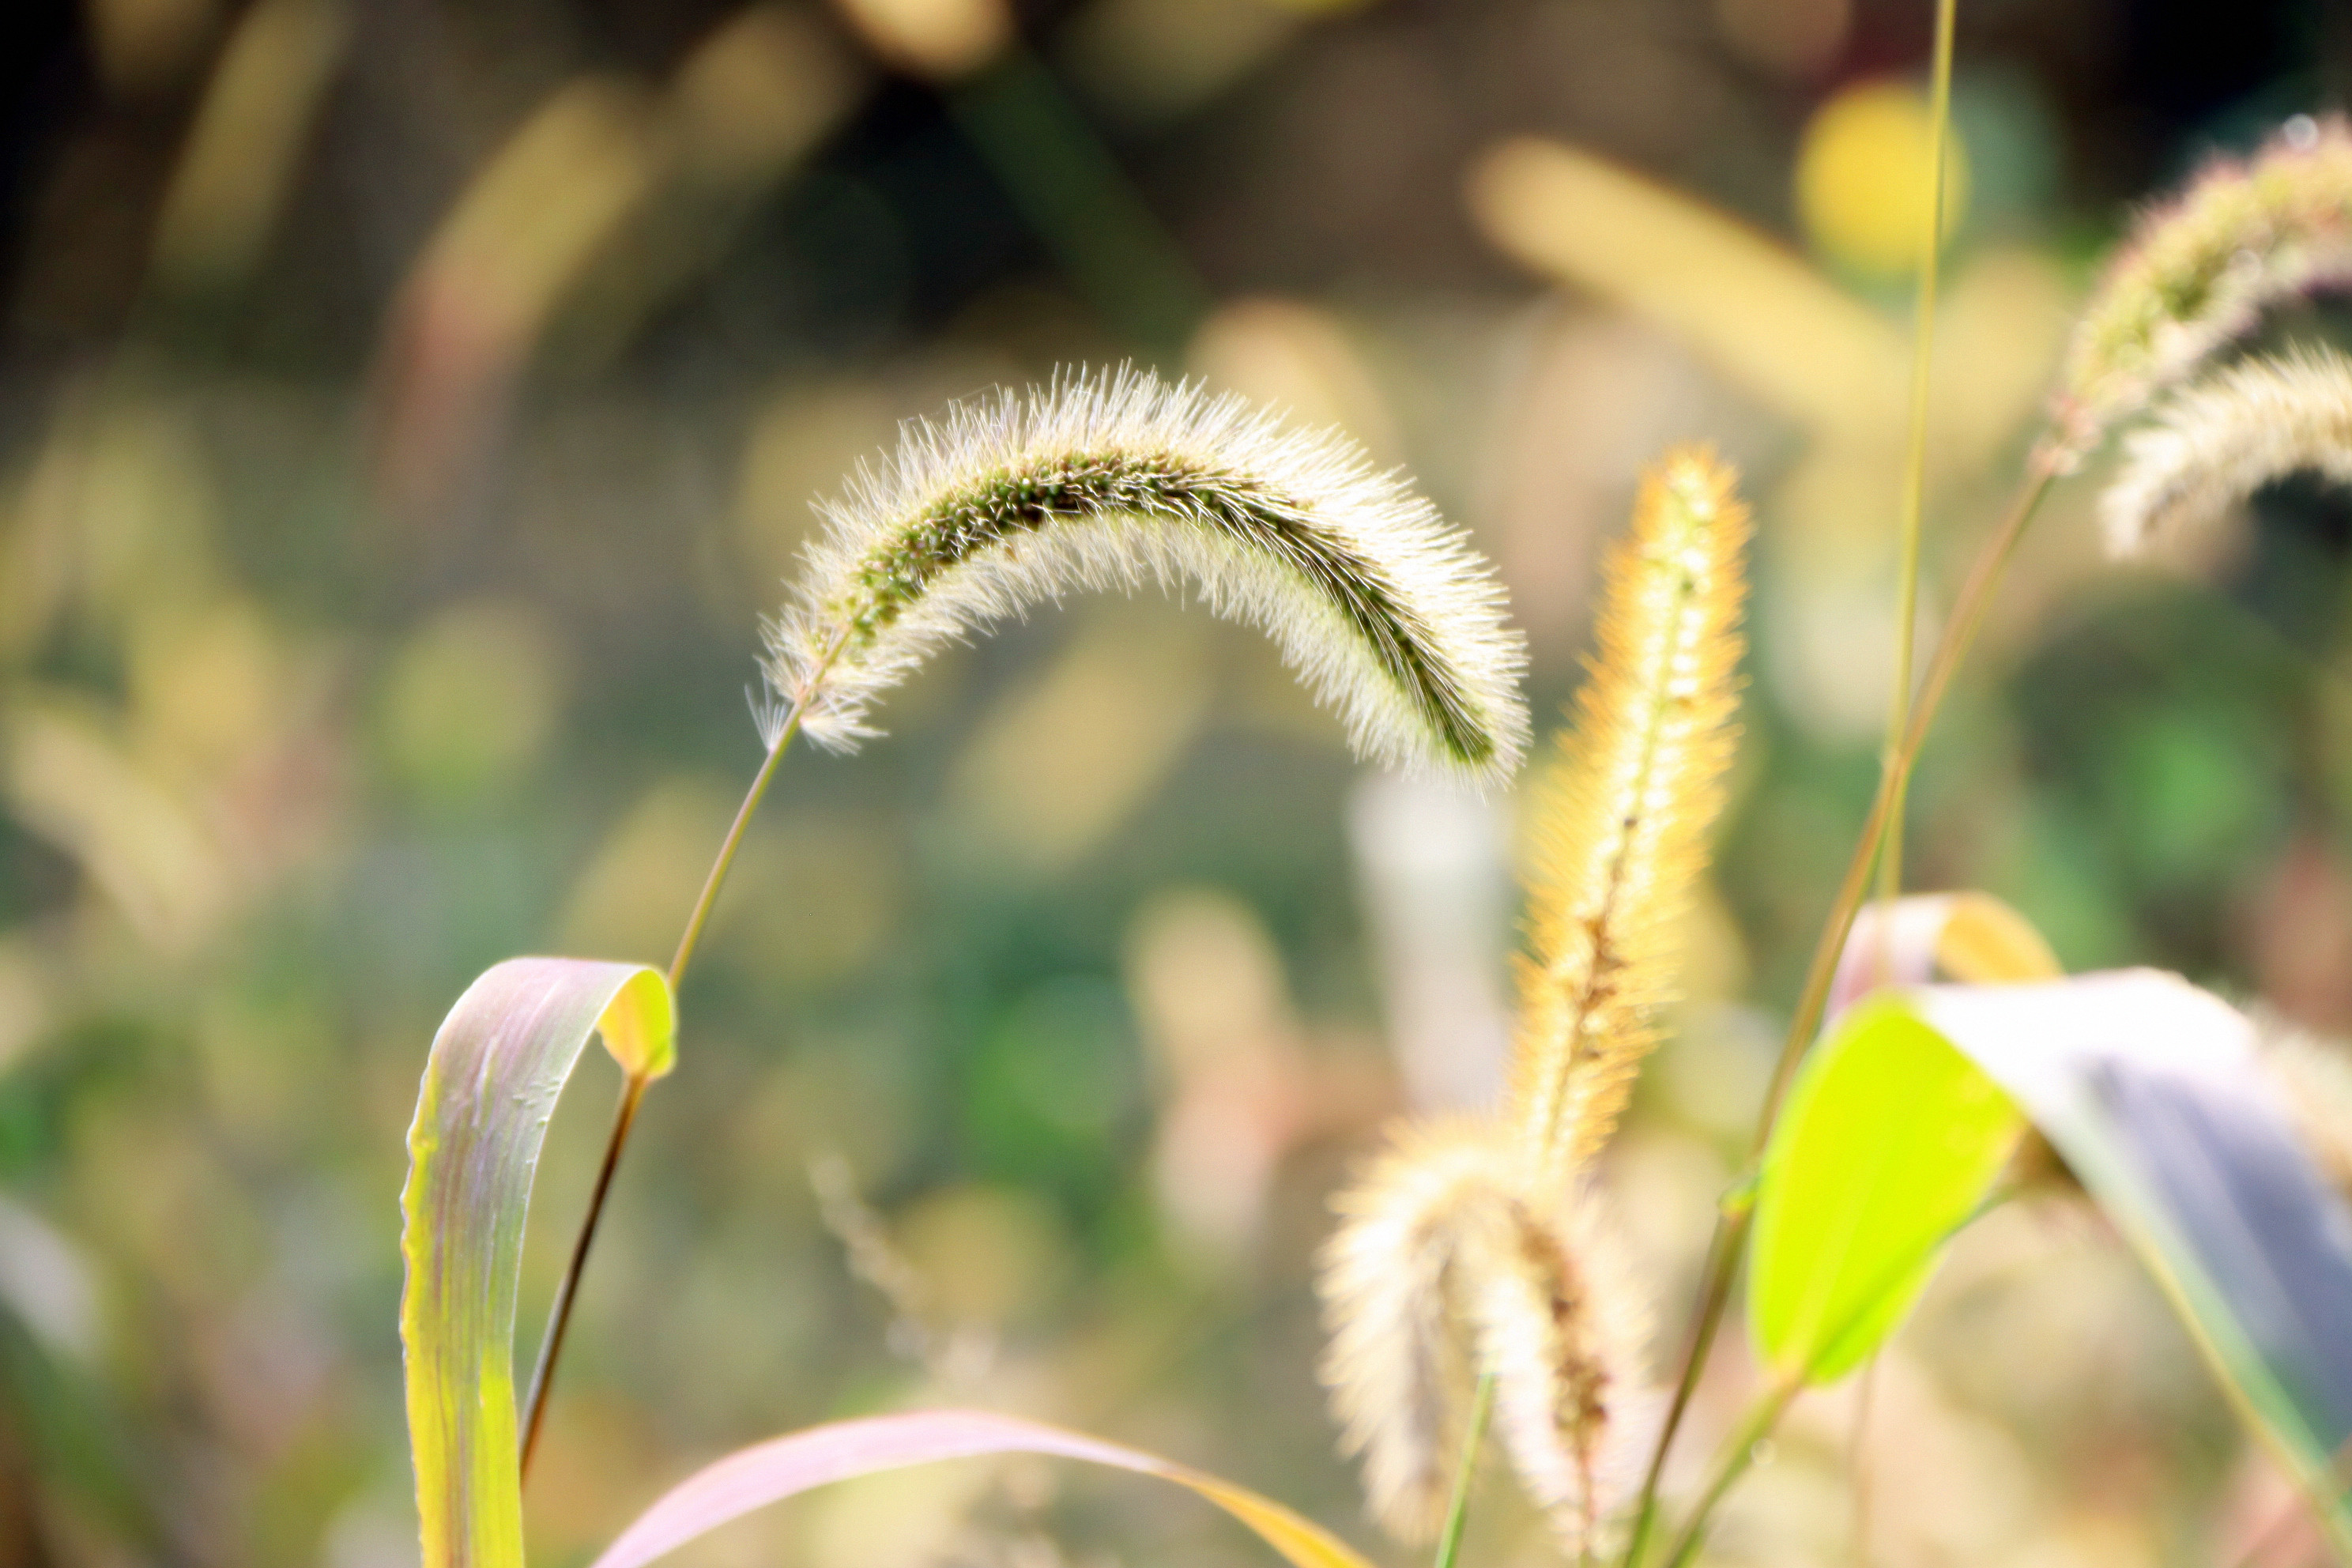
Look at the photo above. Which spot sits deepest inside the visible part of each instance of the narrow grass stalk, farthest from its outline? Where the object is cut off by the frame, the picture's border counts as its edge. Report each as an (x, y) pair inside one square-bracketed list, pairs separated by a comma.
[(559, 1317), (1713, 1294), (1914, 461), (1738, 1456), (1731, 1227), (1457, 1513)]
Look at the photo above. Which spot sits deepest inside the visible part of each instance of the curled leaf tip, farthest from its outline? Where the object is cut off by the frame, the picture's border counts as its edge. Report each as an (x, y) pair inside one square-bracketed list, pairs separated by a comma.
[(1111, 481)]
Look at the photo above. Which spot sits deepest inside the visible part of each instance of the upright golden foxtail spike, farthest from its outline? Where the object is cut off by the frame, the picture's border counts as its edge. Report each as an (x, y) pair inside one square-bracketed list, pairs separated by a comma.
[(1473, 1247), (1637, 787)]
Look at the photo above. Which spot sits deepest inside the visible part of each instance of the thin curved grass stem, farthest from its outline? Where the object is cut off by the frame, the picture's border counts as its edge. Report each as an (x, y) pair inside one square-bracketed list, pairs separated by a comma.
[(1457, 1513), (1739, 1454), (708, 897), (1915, 457), (1716, 1290), (1731, 1229), (558, 1315), (559, 1321), (1967, 616)]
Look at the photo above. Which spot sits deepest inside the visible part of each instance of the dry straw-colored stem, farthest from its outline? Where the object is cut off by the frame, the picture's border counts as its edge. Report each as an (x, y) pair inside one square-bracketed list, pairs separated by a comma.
[(1915, 452), (1731, 1226)]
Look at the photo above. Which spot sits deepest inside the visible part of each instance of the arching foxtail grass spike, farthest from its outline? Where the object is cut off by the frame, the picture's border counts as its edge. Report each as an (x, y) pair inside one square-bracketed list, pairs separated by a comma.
[(2198, 271), (1445, 1267), (1631, 799), (1114, 480), (2215, 442)]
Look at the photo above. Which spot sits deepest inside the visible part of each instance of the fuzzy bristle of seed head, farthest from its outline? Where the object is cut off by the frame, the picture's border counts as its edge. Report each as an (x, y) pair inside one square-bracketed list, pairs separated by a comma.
[(1116, 480), (1562, 1328), (2217, 441), (1446, 1265), (2198, 271), (1631, 798), (1402, 1360)]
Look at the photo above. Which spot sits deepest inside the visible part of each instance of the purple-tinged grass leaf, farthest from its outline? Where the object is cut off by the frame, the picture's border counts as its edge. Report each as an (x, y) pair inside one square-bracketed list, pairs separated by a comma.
[(2148, 1087), (786, 1466), (497, 1064)]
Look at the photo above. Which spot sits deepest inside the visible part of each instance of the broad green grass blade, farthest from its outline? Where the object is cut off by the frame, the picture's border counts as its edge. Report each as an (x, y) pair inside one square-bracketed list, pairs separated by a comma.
[(786, 1466), (498, 1062), (2150, 1089), (1889, 1142)]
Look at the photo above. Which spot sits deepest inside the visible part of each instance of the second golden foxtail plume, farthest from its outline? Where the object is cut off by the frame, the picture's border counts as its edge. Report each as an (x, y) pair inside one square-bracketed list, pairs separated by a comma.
[(1636, 788), (1477, 1248)]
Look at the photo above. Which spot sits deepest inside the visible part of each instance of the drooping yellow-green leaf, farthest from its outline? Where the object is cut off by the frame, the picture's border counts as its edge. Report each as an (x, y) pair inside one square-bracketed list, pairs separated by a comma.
[(1889, 1142), (497, 1064)]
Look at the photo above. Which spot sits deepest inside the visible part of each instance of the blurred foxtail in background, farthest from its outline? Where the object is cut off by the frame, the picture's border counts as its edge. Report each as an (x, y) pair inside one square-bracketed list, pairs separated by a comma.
[(1477, 1249), (1631, 799), (2198, 271), (2216, 442)]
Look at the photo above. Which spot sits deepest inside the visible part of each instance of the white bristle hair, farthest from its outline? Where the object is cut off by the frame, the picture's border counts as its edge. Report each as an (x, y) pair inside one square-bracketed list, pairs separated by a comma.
[(2215, 442), (1116, 480)]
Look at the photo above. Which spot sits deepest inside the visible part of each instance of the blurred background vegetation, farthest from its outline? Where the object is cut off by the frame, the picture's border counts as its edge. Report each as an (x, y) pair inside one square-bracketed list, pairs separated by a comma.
[(409, 408)]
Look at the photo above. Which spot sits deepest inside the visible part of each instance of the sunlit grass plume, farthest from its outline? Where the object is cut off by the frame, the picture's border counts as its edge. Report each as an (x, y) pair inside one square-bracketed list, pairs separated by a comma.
[(2198, 271), (1110, 481), (1447, 1265), (1477, 1248), (2215, 442), (1637, 787)]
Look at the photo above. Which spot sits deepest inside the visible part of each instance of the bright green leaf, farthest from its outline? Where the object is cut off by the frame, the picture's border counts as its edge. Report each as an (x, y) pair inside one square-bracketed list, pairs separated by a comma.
[(1889, 1142), (498, 1062)]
